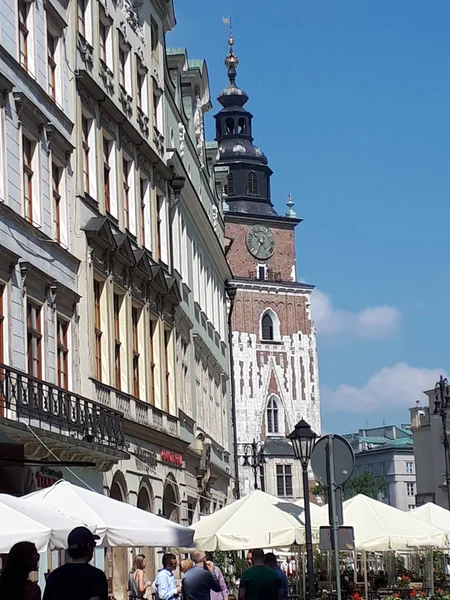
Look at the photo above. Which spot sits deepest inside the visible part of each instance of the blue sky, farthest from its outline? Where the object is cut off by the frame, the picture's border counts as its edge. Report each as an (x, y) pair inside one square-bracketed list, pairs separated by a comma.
[(352, 104)]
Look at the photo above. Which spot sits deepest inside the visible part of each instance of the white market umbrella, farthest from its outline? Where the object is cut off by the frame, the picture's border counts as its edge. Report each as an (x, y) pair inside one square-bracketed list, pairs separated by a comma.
[(16, 527), (434, 515), (60, 526), (254, 521), (380, 527), (117, 523)]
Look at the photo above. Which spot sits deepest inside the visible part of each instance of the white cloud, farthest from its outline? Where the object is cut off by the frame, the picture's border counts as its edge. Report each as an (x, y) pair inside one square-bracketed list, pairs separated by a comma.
[(371, 323), (391, 387)]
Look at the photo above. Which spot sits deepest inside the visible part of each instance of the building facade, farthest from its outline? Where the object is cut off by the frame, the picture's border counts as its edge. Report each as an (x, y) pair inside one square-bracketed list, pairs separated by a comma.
[(388, 452), (113, 330), (274, 340), (429, 452)]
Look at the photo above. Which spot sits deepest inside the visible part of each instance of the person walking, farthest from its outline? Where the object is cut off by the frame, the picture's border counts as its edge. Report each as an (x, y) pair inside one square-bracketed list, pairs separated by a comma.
[(200, 580), (136, 583), (223, 594), (23, 558), (77, 579), (260, 582), (165, 585), (270, 560)]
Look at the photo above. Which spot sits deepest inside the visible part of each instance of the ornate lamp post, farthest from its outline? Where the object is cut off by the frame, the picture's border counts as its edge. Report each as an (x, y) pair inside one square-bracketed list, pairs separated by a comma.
[(303, 440), (441, 408), (254, 458)]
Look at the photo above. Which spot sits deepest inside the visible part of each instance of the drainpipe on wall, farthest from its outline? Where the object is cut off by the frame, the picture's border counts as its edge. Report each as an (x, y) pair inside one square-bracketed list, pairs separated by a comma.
[(231, 292)]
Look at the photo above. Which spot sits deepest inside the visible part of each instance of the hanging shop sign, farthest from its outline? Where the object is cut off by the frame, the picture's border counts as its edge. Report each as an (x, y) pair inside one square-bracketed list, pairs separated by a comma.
[(46, 477), (171, 458), (146, 457)]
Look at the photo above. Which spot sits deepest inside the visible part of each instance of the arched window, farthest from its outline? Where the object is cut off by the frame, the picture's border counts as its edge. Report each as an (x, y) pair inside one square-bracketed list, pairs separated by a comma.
[(242, 126), (230, 126), (267, 327), (229, 186), (252, 184), (272, 416)]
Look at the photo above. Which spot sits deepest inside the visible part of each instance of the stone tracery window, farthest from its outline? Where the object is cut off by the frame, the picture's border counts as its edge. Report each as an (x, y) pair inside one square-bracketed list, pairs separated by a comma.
[(267, 327)]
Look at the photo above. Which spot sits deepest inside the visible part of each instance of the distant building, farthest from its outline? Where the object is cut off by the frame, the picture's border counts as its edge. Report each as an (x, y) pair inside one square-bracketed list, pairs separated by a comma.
[(388, 452), (429, 453)]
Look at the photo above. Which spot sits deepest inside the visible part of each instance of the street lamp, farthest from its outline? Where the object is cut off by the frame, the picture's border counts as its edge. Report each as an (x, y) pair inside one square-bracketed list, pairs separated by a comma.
[(441, 407), (303, 440), (254, 458)]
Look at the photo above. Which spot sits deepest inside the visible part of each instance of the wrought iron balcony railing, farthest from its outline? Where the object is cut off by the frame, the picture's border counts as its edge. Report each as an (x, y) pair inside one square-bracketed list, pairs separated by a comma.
[(49, 407), (263, 275)]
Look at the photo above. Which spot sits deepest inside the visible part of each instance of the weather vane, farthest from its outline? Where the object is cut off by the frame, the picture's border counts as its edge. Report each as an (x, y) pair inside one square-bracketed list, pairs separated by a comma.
[(231, 60)]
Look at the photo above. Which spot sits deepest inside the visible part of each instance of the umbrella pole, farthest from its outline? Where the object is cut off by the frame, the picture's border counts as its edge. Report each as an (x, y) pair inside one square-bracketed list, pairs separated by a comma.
[(366, 583), (431, 573)]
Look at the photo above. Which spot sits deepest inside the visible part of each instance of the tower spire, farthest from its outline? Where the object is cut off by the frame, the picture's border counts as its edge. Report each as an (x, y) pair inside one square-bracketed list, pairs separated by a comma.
[(231, 60)]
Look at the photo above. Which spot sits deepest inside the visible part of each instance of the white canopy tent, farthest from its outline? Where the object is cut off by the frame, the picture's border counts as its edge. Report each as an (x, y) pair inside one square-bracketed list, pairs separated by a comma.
[(254, 521), (117, 523), (379, 527), (16, 527), (57, 525), (434, 515)]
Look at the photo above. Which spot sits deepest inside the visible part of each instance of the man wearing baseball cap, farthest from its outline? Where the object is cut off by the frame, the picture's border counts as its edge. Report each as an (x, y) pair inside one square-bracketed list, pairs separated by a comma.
[(77, 579)]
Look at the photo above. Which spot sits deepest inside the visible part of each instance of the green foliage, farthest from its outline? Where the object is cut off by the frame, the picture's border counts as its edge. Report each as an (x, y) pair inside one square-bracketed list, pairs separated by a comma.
[(231, 564), (366, 484)]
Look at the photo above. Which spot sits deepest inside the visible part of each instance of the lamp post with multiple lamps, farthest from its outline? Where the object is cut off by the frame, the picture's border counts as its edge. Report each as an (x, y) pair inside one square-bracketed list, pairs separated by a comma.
[(303, 440), (441, 408), (254, 458)]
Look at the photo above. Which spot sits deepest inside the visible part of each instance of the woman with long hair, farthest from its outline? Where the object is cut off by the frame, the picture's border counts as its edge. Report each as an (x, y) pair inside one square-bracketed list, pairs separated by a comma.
[(23, 558), (136, 583)]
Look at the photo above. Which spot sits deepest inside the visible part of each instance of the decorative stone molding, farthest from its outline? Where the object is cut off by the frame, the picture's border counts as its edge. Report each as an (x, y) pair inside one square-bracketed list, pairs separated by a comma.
[(158, 140), (182, 138), (126, 143), (108, 123), (143, 122), (86, 99), (126, 100), (86, 51), (130, 13), (141, 56), (144, 163), (199, 128), (6, 87), (107, 76)]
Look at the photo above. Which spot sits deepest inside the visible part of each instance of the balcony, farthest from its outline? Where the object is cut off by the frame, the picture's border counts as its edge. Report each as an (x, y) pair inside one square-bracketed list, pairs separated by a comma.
[(41, 404), (136, 410)]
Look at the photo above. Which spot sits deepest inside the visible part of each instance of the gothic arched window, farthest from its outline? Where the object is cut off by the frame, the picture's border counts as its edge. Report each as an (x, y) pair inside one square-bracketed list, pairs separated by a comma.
[(272, 416), (230, 126), (229, 186), (252, 184), (267, 327)]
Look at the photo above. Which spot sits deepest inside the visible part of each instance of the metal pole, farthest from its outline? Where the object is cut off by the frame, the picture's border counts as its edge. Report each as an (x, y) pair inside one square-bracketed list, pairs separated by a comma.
[(308, 535), (255, 463), (446, 451), (333, 524), (237, 493)]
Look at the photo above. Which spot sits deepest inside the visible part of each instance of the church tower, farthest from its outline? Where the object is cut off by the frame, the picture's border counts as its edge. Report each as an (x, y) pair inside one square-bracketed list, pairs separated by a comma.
[(274, 340)]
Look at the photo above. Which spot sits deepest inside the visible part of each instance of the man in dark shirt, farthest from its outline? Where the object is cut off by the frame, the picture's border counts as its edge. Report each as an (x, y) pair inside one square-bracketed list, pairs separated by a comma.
[(200, 580), (260, 582), (78, 580)]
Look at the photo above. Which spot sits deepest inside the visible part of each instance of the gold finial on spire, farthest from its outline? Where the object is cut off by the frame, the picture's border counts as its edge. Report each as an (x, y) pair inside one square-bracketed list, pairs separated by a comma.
[(231, 60)]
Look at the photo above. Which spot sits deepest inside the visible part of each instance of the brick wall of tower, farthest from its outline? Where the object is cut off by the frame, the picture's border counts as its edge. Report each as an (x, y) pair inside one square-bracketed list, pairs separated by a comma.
[(292, 311), (242, 263)]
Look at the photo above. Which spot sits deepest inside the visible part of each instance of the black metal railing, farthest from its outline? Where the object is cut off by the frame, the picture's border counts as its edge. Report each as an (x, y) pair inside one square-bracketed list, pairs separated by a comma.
[(263, 275), (53, 408)]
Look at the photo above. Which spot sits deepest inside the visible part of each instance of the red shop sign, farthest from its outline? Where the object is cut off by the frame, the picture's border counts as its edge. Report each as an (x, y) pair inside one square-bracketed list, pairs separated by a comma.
[(170, 457)]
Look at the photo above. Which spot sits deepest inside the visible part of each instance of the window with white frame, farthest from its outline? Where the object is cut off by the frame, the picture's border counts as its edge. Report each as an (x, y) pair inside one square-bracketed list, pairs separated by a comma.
[(157, 106), (3, 330), (34, 339), (411, 506), (141, 87), (26, 35), (124, 65), (2, 154), (261, 272), (284, 481), (410, 468), (129, 197), (54, 58), (88, 154), (269, 326), (162, 241), (154, 34), (31, 180), (62, 349), (84, 19), (105, 37), (272, 416), (410, 489), (144, 197), (109, 174)]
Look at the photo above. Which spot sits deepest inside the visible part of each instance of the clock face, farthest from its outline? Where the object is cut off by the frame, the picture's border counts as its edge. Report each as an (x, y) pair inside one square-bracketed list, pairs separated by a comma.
[(260, 242)]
